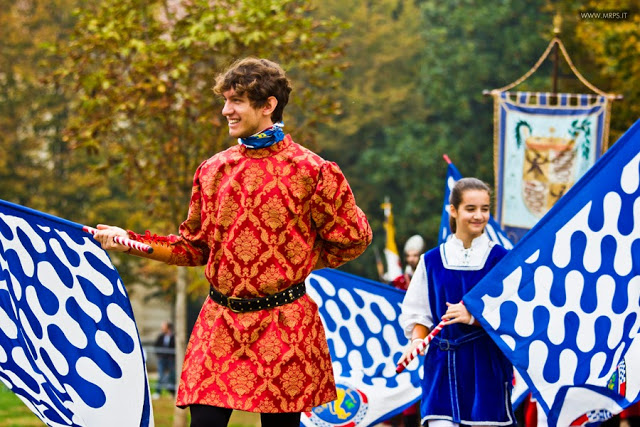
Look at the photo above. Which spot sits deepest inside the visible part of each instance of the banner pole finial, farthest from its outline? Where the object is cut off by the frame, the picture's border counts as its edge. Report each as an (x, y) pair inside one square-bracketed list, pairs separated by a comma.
[(557, 24)]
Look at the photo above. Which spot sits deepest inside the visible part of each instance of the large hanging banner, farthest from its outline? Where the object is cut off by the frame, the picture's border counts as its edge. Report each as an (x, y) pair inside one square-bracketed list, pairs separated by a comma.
[(543, 144)]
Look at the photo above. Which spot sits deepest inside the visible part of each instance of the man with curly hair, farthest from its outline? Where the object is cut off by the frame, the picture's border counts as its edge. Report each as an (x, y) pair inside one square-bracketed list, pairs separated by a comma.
[(263, 214)]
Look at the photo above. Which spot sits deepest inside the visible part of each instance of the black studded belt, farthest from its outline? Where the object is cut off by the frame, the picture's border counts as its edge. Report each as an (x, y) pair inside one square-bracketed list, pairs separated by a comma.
[(242, 305)]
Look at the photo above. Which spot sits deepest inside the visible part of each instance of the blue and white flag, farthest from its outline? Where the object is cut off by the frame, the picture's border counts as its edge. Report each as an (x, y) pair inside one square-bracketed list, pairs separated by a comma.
[(365, 340), (69, 345), (564, 304), (493, 229)]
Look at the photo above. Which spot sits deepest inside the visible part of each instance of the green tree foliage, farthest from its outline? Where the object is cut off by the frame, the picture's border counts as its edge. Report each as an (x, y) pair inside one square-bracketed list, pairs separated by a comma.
[(140, 76), (613, 45), (468, 48), (379, 89), (29, 111), (37, 167), (463, 49), (383, 59)]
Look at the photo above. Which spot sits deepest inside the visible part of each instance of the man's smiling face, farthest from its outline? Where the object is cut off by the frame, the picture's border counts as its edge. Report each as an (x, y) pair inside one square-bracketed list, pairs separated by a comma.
[(243, 118)]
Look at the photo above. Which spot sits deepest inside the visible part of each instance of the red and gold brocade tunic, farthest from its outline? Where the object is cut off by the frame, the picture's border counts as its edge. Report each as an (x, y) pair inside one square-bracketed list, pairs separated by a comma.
[(261, 220)]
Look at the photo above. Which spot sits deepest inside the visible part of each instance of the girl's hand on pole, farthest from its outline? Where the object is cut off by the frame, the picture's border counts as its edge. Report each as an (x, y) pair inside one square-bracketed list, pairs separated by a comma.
[(105, 236), (412, 346), (458, 313)]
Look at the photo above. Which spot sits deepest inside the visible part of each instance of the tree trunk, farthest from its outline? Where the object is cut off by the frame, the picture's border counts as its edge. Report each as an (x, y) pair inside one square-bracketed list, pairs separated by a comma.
[(180, 415)]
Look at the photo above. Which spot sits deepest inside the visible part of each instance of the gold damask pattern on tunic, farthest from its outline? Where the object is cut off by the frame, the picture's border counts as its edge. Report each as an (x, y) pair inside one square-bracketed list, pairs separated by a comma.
[(261, 220)]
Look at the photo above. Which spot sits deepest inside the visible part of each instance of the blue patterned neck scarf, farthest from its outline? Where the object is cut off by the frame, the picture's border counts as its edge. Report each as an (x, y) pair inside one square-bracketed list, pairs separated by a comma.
[(265, 138)]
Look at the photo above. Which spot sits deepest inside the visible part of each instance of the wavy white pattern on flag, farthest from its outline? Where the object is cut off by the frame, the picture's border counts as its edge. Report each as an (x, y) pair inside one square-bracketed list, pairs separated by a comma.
[(69, 346), (365, 340), (564, 304)]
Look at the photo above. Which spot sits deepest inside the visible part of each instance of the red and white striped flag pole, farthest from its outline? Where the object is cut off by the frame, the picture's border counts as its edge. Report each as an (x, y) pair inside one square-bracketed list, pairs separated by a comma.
[(425, 342), (142, 247)]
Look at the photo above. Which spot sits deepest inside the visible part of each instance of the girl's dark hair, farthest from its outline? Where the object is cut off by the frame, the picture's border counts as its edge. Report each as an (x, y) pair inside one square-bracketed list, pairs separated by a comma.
[(259, 79), (458, 190)]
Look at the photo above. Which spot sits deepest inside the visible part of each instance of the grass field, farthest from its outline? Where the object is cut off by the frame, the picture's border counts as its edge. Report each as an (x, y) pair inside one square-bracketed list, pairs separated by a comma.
[(14, 413)]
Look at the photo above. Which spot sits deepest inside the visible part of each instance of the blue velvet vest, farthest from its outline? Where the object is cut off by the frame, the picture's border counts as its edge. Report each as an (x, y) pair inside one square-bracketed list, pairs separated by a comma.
[(467, 379)]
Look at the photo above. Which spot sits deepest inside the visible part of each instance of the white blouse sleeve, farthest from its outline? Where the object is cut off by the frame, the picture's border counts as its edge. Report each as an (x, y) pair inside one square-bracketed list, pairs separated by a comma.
[(415, 306)]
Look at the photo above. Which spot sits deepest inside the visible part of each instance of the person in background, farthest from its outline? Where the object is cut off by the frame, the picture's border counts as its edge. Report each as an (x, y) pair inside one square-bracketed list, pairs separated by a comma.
[(413, 248), (263, 214), (165, 350), (467, 379)]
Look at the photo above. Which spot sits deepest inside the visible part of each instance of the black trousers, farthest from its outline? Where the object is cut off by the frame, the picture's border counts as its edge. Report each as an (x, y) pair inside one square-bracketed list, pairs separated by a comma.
[(213, 416)]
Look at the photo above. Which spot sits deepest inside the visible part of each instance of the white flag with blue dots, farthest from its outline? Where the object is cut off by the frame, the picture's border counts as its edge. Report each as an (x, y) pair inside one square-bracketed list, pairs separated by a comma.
[(69, 345), (564, 304)]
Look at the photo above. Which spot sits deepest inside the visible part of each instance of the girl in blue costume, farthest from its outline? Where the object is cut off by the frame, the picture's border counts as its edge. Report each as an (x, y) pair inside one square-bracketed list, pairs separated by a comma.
[(467, 380)]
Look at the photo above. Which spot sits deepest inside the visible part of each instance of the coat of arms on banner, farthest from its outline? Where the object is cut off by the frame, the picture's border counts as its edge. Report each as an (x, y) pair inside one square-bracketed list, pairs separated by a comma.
[(349, 409), (542, 149), (550, 162)]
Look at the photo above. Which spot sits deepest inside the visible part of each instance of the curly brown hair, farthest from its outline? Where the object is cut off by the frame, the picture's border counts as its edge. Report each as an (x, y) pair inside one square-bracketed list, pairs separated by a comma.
[(258, 79)]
